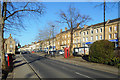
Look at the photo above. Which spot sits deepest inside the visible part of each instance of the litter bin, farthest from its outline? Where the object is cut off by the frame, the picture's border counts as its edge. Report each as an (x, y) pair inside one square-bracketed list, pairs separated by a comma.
[(10, 61)]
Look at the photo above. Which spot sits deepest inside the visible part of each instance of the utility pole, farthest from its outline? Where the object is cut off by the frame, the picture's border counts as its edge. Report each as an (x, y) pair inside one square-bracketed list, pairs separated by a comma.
[(104, 19)]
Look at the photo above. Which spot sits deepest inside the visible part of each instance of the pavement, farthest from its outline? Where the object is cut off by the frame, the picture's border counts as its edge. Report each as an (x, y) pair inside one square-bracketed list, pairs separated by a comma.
[(80, 61), (21, 70)]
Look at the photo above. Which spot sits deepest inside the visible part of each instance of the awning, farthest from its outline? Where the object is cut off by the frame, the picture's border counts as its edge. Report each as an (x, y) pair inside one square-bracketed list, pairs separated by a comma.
[(88, 42), (114, 40)]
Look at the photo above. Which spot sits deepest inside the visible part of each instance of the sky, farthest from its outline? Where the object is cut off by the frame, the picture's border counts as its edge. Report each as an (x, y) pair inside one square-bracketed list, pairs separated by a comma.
[(35, 23)]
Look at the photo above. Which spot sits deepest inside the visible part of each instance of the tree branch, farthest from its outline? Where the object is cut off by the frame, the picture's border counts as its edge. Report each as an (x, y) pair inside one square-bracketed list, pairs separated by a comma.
[(22, 10)]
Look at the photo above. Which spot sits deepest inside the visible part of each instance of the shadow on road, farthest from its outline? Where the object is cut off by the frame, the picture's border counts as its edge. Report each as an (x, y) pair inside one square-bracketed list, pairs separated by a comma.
[(17, 61), (20, 64), (40, 58), (29, 75), (86, 58)]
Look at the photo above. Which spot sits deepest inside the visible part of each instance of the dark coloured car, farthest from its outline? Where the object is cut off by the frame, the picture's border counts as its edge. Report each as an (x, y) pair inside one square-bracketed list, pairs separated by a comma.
[(52, 53)]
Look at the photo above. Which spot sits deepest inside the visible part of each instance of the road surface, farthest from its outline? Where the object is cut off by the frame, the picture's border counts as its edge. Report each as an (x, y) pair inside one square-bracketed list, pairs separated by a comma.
[(48, 68)]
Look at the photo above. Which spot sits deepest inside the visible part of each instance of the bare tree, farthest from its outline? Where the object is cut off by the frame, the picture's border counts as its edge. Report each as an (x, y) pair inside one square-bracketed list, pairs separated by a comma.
[(12, 14), (47, 33), (44, 34), (73, 19), (16, 41)]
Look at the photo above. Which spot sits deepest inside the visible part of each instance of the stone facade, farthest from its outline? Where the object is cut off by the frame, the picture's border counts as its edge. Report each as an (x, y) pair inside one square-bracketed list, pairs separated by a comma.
[(63, 39), (9, 45), (48, 43), (86, 35)]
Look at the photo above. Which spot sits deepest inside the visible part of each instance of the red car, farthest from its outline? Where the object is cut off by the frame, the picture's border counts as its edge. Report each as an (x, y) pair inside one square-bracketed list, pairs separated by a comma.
[(33, 51)]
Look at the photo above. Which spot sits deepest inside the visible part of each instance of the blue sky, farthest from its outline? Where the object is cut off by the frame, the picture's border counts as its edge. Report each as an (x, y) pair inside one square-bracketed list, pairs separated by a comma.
[(34, 24)]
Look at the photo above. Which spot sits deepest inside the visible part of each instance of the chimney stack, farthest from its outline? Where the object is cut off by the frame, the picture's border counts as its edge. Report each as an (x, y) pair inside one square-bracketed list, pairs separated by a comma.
[(10, 34), (65, 28), (60, 30), (85, 26)]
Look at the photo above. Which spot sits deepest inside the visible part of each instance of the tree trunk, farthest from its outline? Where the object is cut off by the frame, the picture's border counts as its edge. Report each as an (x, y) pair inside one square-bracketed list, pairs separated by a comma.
[(71, 43), (2, 52), (4, 66), (49, 48)]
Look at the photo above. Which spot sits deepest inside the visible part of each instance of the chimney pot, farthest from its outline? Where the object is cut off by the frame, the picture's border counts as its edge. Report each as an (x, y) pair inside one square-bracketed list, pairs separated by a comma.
[(60, 30), (85, 26), (10, 34), (65, 28)]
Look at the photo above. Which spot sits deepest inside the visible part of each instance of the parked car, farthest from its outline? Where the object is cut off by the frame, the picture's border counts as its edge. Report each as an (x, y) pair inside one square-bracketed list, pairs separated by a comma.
[(33, 51), (52, 53), (61, 52), (45, 51)]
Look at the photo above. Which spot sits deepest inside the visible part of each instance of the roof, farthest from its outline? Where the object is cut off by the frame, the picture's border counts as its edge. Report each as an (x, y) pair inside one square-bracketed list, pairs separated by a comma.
[(111, 21), (75, 28)]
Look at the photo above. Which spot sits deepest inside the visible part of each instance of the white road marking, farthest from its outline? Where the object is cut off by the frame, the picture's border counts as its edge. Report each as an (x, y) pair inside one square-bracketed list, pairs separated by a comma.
[(84, 75)]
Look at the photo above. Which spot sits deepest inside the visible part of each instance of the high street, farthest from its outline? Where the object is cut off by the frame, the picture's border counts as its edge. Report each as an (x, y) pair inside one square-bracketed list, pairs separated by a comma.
[(48, 68)]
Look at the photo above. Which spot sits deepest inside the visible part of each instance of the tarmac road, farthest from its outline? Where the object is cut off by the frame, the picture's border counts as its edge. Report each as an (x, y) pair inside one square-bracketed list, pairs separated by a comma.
[(48, 68)]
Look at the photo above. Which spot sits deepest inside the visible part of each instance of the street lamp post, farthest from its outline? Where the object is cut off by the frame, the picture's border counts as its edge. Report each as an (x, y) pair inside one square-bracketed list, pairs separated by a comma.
[(53, 36)]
